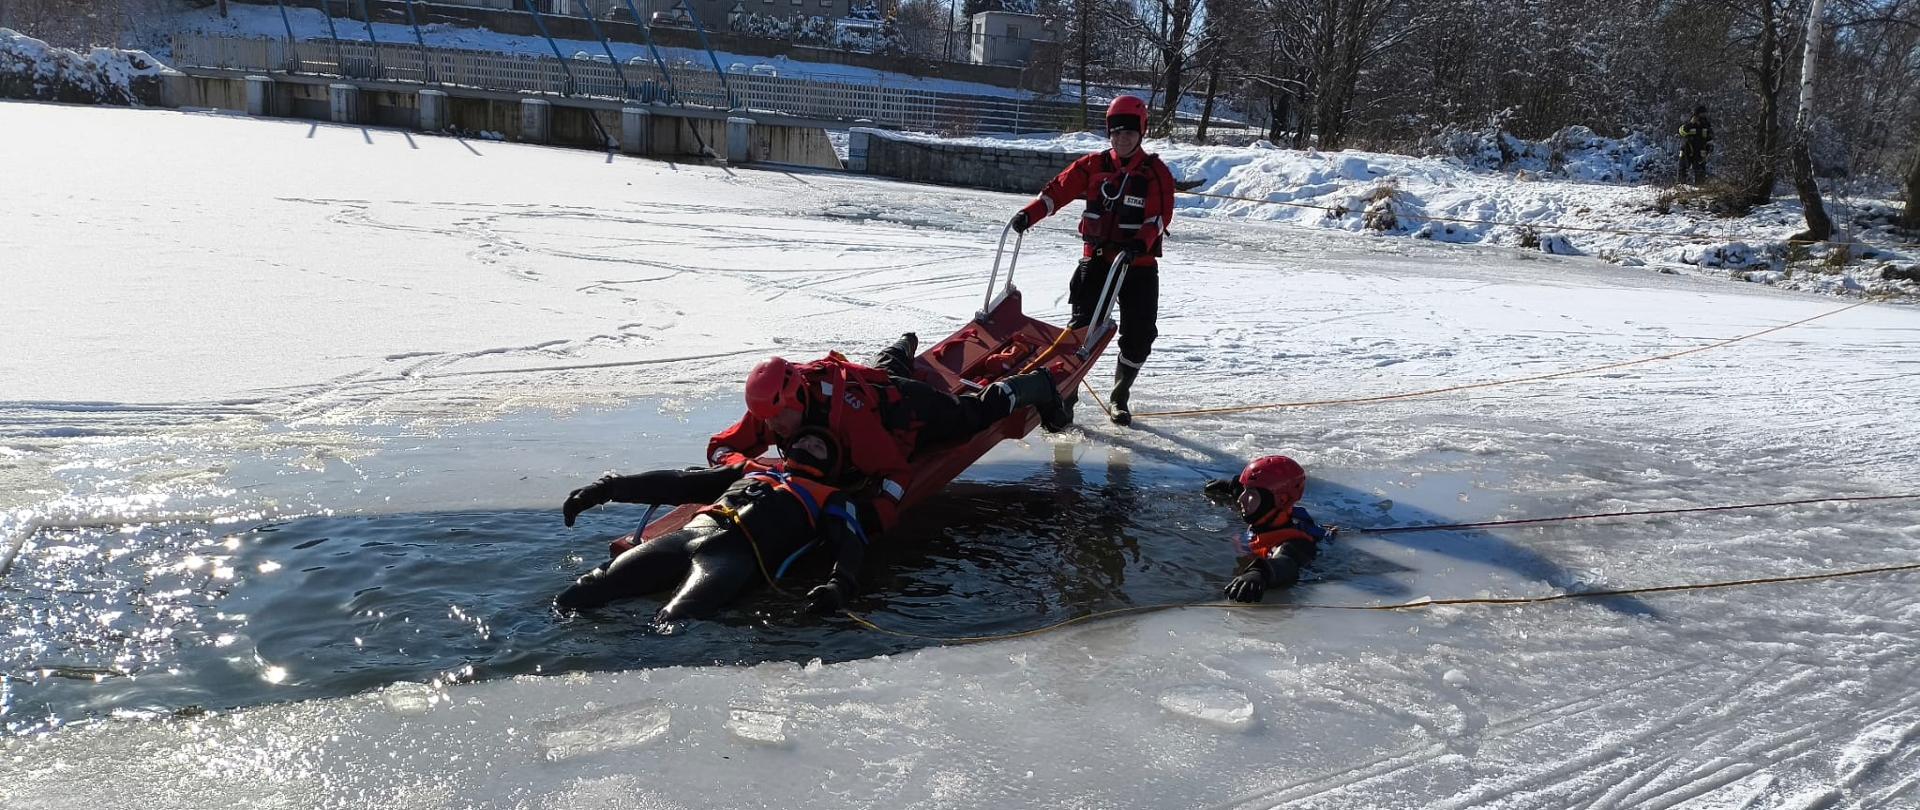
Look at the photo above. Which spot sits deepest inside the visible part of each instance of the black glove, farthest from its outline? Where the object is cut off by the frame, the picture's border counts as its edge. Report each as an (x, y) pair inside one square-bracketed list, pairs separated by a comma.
[(1250, 585), (584, 498), (1021, 223), (1222, 491), (829, 597)]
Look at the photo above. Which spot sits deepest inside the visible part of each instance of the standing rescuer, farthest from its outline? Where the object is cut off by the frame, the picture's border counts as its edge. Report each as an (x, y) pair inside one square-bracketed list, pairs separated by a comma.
[(1696, 144), (1129, 197)]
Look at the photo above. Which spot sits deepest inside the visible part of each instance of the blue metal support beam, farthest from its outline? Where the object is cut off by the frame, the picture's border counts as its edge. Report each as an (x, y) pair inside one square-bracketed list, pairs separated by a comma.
[(339, 52), (293, 58), (673, 96), (426, 63), (367, 17), (701, 29), (541, 24), (587, 13)]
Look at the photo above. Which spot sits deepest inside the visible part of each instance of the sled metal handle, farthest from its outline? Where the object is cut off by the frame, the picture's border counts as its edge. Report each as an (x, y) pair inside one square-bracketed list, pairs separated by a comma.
[(1102, 321), (986, 305)]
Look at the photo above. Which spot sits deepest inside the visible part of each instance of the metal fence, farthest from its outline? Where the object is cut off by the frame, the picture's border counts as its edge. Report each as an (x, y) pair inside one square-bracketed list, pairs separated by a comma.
[(805, 97)]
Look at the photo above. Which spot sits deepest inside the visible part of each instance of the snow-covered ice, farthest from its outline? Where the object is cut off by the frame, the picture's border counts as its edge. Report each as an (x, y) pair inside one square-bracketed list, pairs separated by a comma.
[(224, 318)]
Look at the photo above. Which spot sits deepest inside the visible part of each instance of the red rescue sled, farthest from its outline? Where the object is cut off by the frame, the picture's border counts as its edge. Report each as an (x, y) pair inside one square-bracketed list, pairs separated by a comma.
[(999, 342)]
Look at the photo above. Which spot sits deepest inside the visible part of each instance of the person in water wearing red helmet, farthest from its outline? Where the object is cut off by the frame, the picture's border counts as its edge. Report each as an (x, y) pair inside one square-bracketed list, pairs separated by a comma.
[(1129, 203), (846, 432), (1281, 537)]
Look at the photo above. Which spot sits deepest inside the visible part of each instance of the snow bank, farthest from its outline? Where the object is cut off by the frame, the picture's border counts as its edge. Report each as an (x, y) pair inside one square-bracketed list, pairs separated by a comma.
[(1570, 195), (32, 69)]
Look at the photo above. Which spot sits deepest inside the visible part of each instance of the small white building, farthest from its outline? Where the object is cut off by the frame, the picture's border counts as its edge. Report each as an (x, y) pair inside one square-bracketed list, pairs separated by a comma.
[(1005, 37)]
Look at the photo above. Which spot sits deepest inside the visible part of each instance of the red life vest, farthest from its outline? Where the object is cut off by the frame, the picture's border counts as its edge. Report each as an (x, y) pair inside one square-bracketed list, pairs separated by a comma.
[(1263, 544)]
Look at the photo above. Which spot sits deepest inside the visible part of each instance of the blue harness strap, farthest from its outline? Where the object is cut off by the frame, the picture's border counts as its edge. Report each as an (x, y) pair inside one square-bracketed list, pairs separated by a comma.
[(806, 499), (783, 480), (814, 511), (853, 521)]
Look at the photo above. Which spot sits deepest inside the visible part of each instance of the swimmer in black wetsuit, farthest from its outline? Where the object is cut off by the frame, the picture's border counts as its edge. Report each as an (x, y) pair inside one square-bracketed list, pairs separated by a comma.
[(782, 511)]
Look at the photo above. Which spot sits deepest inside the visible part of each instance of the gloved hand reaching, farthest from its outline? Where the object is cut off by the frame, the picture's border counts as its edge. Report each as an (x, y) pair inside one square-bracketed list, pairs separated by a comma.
[(1222, 491), (584, 498), (1021, 223), (1250, 585), (829, 597)]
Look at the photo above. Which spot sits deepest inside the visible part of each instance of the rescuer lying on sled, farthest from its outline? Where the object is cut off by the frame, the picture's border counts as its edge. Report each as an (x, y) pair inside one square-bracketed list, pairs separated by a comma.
[(845, 432), (880, 414)]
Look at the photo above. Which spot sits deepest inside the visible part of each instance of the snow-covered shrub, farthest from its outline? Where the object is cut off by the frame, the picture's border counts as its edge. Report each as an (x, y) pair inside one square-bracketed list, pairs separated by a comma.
[(1717, 197), (1894, 272), (1574, 153), (32, 69), (821, 32), (1557, 244), (1734, 256), (1382, 212), (1446, 232)]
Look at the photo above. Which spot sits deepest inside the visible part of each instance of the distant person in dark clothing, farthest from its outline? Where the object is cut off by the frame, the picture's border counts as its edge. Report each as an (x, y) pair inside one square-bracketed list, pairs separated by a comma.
[(1696, 143)]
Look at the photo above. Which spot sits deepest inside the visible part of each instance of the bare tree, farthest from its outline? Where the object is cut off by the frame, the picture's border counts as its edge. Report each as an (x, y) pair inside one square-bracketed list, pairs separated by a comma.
[(1910, 216), (1819, 225), (1168, 29)]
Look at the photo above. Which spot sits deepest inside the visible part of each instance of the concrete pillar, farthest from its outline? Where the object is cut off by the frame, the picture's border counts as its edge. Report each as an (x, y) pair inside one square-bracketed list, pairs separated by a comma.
[(433, 110), (739, 140), (259, 96), (536, 120), (859, 145), (343, 100), (636, 130)]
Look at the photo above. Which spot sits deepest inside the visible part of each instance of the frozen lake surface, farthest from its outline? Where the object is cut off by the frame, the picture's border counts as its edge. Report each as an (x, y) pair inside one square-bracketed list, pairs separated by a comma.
[(287, 411)]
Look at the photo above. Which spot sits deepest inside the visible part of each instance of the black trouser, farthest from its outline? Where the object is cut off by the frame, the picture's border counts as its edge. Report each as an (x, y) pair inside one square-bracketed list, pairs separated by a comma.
[(711, 559), (1139, 304), (944, 417), (1693, 162)]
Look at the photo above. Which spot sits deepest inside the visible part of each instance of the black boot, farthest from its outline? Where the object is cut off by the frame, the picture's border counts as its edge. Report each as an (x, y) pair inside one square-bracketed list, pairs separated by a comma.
[(1034, 388), (1123, 375), (898, 358)]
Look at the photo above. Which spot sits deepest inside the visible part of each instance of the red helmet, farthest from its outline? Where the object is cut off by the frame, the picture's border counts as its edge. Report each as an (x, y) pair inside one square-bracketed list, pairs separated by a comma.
[(773, 386), (1127, 113), (1269, 487)]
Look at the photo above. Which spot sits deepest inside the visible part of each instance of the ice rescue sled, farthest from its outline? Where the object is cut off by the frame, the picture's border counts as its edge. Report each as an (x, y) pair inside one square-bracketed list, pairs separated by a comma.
[(1000, 341)]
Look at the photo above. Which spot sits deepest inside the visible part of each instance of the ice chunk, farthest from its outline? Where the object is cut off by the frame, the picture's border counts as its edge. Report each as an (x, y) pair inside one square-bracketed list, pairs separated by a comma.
[(1227, 708), (755, 726), (409, 698), (1455, 677), (615, 728)]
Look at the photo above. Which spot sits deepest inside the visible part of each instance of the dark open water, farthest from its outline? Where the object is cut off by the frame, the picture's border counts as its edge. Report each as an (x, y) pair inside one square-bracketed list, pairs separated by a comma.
[(165, 619)]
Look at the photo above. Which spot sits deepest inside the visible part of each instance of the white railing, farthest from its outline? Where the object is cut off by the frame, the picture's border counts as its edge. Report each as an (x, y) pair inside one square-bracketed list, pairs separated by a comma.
[(805, 97)]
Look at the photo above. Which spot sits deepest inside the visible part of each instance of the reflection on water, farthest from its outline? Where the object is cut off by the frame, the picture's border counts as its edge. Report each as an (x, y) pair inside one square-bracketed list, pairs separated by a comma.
[(163, 619)]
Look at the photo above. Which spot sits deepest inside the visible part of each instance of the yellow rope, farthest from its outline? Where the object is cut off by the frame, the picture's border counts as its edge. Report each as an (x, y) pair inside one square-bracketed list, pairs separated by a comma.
[(1678, 237), (1493, 383), (1417, 605), (733, 516)]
